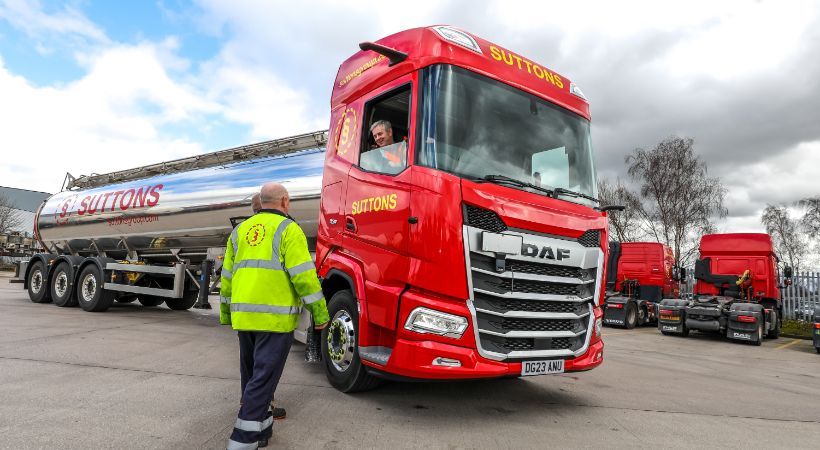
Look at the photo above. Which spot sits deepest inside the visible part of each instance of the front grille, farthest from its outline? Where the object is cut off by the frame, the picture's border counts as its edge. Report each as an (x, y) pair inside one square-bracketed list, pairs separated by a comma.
[(506, 345), (484, 219), (485, 262), (591, 238), (503, 305), (536, 324), (517, 344)]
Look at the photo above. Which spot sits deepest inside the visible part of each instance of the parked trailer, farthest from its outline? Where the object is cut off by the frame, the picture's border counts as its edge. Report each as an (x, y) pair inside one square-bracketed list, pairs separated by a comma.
[(639, 275), (736, 293), (472, 247)]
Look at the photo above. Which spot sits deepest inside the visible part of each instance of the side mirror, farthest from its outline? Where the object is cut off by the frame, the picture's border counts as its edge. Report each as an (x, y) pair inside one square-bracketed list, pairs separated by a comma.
[(787, 272)]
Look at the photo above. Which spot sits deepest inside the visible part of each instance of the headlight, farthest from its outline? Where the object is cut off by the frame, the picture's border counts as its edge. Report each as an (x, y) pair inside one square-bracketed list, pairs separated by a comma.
[(425, 320)]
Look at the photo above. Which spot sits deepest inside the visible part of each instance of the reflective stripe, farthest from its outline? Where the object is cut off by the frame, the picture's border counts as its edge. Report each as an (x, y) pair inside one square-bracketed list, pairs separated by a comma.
[(258, 264), (312, 298), (234, 239), (224, 299), (304, 267), (251, 425), (233, 445), (277, 238), (270, 309), (227, 273)]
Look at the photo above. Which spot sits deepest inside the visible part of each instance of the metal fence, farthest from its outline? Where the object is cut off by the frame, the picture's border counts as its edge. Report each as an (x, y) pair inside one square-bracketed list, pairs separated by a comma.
[(799, 299)]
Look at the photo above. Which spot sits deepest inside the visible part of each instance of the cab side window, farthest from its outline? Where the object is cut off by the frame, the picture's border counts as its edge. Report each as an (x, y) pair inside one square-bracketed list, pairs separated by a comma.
[(384, 146)]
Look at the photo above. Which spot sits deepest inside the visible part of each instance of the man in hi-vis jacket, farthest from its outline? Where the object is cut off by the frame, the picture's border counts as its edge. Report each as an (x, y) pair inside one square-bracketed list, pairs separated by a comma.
[(267, 277)]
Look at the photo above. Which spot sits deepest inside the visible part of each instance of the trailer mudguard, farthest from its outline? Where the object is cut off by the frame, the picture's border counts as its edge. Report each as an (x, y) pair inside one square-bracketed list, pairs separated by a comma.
[(739, 327), (615, 310), (672, 316)]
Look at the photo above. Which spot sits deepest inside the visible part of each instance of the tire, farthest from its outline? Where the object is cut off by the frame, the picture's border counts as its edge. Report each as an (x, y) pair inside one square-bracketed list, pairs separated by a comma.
[(126, 299), (760, 335), (150, 300), (62, 287), (37, 283), (181, 304), (642, 316), (774, 333), (340, 351), (685, 332), (90, 293), (631, 316), (818, 349)]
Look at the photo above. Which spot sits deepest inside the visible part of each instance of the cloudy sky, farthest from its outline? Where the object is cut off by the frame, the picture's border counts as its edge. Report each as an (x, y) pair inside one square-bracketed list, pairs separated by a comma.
[(93, 86)]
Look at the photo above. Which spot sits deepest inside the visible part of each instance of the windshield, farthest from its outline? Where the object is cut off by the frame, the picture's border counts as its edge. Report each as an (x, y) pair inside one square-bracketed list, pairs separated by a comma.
[(475, 127)]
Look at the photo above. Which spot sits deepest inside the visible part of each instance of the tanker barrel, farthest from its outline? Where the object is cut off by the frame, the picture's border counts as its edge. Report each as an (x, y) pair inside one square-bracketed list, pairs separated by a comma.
[(204, 284)]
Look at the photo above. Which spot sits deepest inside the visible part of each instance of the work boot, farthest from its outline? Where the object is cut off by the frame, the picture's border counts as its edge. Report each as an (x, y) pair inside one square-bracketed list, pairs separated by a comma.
[(278, 413), (262, 443)]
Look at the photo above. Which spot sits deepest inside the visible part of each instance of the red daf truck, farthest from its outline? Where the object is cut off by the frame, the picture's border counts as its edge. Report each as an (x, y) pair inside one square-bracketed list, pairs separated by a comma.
[(736, 293), (638, 276), (471, 247)]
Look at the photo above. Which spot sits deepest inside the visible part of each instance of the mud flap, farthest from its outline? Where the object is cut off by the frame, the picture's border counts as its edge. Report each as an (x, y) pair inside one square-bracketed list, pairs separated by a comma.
[(672, 316), (615, 311), (741, 327)]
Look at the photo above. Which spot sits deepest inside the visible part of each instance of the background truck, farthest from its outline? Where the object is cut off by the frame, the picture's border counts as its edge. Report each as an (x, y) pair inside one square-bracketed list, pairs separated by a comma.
[(736, 293), (638, 276), (474, 249)]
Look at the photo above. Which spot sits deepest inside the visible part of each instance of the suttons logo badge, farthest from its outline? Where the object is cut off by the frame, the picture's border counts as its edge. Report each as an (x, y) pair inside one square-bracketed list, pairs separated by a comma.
[(345, 128), (511, 59), (255, 235)]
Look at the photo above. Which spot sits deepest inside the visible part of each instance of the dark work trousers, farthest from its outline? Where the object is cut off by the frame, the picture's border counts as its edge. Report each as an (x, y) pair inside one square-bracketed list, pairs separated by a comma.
[(262, 357)]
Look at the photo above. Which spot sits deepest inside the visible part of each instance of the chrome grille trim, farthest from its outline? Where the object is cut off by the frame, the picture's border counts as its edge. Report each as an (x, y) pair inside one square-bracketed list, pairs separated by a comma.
[(500, 343)]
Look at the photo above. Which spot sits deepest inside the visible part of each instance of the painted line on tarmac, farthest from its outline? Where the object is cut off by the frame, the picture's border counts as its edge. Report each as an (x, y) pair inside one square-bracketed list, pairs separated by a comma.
[(788, 344)]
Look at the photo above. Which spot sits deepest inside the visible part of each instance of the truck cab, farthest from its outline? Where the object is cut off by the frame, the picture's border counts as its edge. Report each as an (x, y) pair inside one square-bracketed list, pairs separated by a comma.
[(736, 291), (475, 250), (639, 275)]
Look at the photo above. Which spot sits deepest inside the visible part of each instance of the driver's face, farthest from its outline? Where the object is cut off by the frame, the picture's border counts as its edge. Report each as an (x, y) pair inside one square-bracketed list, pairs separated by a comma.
[(382, 137)]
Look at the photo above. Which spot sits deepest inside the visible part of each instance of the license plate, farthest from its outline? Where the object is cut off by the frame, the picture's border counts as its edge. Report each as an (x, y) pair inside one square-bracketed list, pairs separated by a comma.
[(549, 366), (668, 317)]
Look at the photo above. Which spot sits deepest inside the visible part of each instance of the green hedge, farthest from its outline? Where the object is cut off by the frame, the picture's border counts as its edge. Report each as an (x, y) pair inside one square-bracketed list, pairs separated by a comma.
[(797, 328)]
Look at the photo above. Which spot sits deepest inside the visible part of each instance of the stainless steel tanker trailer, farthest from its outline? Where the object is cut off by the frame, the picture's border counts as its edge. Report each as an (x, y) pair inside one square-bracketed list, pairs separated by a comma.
[(156, 233)]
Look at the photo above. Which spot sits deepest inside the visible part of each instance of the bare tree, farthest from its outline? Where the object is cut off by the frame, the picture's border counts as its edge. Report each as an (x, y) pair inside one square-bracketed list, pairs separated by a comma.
[(811, 216), (624, 226), (680, 201), (789, 242), (9, 217)]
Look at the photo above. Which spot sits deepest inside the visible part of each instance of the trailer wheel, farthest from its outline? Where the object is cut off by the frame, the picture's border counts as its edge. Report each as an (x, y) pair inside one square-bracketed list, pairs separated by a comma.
[(340, 351), (774, 333), (37, 285), (631, 316), (90, 293), (150, 300), (61, 286), (126, 299), (181, 304)]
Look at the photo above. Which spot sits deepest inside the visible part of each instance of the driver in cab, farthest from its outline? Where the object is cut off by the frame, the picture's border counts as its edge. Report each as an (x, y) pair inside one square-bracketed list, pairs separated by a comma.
[(394, 154)]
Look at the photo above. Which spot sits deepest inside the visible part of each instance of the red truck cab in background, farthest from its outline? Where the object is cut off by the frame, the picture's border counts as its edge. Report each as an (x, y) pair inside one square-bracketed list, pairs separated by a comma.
[(736, 292), (471, 247), (638, 276)]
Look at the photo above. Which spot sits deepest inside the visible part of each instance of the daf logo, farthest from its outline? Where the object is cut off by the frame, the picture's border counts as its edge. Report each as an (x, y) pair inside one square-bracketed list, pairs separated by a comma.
[(544, 252)]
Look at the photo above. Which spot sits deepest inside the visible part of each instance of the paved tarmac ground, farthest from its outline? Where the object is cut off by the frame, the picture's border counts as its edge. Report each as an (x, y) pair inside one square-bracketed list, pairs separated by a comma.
[(152, 378)]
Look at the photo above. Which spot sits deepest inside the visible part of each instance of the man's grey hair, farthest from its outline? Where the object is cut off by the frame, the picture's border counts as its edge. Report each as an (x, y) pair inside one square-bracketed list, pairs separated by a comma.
[(384, 123)]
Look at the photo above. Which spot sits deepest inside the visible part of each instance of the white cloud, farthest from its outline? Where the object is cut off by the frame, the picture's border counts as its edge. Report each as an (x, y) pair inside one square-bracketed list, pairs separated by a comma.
[(28, 15)]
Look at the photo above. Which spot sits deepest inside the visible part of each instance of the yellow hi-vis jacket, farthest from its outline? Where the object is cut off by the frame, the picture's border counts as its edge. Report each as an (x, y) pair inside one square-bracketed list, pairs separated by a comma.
[(268, 275)]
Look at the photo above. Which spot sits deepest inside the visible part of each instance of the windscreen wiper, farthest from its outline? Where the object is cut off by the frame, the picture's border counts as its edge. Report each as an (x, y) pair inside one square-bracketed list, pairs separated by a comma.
[(561, 191), (513, 181)]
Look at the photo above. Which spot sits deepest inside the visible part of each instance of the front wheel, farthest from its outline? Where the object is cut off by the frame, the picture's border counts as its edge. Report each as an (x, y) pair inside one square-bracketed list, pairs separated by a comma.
[(90, 293), (343, 367)]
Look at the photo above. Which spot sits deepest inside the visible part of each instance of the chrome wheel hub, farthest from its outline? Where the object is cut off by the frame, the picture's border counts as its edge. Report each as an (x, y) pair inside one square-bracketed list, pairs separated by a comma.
[(61, 284), (36, 281), (341, 340), (89, 287)]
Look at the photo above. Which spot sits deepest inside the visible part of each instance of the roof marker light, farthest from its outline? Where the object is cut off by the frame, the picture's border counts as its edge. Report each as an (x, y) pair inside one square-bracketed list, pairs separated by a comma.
[(574, 89), (458, 37)]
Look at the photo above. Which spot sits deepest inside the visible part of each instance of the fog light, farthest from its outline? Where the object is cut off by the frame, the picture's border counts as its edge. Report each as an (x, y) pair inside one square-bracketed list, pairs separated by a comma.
[(425, 320), (446, 362), (599, 356), (598, 325)]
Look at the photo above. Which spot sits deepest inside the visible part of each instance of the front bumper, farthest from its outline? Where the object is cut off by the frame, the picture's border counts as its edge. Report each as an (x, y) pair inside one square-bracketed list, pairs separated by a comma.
[(414, 359)]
